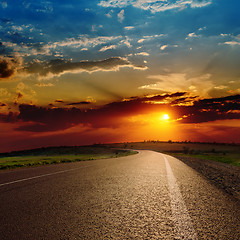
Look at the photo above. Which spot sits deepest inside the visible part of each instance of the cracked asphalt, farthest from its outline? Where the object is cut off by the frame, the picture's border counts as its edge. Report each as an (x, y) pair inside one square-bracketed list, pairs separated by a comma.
[(134, 197)]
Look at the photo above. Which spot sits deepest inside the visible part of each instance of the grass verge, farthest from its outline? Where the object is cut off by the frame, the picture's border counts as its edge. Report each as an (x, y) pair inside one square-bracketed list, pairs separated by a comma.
[(49, 156), (229, 158)]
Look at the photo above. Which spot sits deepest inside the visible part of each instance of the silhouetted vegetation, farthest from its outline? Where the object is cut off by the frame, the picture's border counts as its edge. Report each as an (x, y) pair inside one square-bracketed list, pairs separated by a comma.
[(60, 150), (63, 154)]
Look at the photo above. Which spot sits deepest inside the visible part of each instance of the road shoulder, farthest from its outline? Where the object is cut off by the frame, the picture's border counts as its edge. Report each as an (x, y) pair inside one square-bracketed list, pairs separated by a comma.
[(224, 176)]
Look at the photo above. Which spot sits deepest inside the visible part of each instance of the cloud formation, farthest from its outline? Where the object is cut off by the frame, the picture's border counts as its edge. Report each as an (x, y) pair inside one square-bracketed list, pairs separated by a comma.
[(79, 103), (83, 41), (142, 54), (121, 16), (154, 5), (129, 27), (200, 85), (105, 48), (15, 43), (59, 66), (7, 67), (207, 110), (232, 43), (41, 119), (3, 4), (39, 7), (183, 109)]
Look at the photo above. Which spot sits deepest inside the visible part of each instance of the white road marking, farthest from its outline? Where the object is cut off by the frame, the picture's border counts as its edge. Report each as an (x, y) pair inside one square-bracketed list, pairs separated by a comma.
[(182, 221), (44, 175)]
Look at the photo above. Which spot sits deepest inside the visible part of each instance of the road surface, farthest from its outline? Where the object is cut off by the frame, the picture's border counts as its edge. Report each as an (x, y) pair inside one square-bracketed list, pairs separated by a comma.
[(144, 196)]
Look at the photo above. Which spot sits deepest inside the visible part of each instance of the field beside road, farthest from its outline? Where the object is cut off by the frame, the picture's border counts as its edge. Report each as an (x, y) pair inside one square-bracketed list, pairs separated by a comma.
[(53, 155), (225, 153)]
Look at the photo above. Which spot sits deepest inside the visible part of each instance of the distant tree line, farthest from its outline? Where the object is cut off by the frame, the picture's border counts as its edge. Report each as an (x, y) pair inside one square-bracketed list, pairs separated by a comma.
[(61, 150), (192, 142)]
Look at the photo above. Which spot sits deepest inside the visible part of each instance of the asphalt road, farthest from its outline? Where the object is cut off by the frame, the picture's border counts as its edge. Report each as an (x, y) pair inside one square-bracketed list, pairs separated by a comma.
[(143, 196)]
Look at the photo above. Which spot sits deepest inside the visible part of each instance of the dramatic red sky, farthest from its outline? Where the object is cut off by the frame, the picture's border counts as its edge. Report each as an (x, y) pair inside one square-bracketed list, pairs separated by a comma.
[(108, 71)]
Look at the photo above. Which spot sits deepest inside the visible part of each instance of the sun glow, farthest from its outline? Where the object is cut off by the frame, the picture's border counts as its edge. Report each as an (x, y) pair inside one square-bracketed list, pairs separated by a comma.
[(165, 117), (155, 125)]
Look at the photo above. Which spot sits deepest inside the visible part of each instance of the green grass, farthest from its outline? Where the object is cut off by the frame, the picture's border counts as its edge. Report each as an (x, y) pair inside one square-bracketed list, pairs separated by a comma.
[(9, 162), (229, 158), (226, 153)]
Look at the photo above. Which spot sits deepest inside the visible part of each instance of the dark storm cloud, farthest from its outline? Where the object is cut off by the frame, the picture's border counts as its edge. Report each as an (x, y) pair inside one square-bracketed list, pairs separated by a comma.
[(2, 104), (207, 110), (46, 119), (112, 115), (6, 68), (60, 66), (59, 101), (183, 100), (79, 103), (229, 99), (2, 49), (157, 97)]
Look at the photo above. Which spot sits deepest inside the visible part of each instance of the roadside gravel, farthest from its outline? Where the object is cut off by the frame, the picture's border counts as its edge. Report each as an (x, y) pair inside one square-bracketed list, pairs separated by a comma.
[(224, 176)]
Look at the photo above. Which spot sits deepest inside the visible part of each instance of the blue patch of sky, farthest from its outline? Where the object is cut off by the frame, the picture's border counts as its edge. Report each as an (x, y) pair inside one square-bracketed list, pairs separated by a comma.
[(54, 21)]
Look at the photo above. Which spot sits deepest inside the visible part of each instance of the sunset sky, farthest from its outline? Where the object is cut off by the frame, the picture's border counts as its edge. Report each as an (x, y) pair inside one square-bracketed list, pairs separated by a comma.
[(94, 71)]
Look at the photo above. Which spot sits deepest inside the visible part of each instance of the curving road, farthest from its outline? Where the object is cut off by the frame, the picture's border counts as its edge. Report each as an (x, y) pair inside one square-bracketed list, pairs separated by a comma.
[(144, 196)]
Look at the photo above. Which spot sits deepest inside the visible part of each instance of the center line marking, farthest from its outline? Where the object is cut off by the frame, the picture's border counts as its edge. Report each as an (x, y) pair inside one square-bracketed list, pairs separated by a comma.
[(181, 218), (44, 175)]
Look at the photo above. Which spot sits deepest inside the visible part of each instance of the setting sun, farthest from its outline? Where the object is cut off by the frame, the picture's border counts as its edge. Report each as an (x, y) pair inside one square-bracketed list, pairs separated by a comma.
[(165, 117)]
